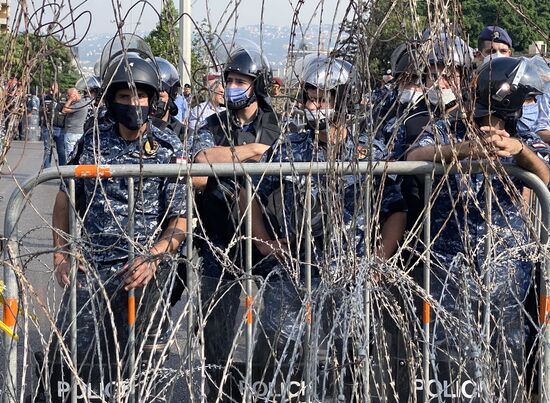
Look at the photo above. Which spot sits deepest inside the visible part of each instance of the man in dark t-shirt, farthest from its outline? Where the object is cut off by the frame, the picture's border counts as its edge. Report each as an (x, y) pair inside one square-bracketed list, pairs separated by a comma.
[(76, 110), (51, 134)]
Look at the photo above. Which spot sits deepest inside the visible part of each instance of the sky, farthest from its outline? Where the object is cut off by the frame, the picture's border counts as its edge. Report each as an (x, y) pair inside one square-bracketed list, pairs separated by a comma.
[(249, 12)]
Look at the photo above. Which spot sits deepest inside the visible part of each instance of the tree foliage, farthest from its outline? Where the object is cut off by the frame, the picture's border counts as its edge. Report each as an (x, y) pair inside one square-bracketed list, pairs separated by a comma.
[(371, 33), (42, 60), (163, 40), (478, 14), (373, 29)]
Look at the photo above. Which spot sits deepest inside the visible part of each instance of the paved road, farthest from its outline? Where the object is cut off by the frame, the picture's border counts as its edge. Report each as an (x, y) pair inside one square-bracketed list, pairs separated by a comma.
[(24, 160)]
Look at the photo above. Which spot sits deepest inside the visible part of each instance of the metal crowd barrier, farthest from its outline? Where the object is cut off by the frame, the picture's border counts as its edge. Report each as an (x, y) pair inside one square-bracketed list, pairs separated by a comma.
[(13, 267)]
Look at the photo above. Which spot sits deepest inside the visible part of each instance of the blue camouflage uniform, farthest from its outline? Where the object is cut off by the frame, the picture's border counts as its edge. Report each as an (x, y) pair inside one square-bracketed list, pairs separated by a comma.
[(338, 247), (459, 261), (103, 207), (222, 257), (400, 132), (302, 147), (543, 118), (215, 204), (383, 101), (396, 138)]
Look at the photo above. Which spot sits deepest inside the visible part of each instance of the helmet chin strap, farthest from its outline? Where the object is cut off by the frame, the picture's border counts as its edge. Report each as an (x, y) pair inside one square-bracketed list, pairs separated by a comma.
[(510, 120), (162, 107), (172, 107)]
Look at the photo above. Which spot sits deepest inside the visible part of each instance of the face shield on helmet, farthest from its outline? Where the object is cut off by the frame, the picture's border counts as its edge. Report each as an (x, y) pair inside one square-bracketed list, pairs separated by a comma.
[(407, 68), (504, 84), (452, 57), (319, 107), (449, 50), (406, 60), (97, 68), (535, 75), (247, 60), (124, 44), (169, 76), (88, 84), (335, 82), (127, 62)]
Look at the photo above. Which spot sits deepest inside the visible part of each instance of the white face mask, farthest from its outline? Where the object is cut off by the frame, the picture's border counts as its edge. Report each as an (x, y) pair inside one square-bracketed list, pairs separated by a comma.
[(319, 114), (492, 56), (409, 95), (436, 95), (322, 116)]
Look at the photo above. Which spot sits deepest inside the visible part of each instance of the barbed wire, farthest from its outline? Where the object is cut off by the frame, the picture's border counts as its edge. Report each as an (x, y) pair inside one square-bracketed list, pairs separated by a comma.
[(333, 319)]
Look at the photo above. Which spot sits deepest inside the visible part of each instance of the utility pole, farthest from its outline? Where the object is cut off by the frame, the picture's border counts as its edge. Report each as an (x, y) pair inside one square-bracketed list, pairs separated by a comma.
[(184, 62)]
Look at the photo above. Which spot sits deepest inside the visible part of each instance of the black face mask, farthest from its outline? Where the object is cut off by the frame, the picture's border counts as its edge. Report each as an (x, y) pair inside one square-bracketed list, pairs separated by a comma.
[(162, 107), (172, 107), (127, 115)]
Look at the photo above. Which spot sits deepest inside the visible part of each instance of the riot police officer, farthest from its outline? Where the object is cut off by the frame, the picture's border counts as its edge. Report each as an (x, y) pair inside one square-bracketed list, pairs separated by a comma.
[(429, 75), (426, 90), (460, 226), (167, 110), (131, 86), (240, 133), (91, 86), (339, 220)]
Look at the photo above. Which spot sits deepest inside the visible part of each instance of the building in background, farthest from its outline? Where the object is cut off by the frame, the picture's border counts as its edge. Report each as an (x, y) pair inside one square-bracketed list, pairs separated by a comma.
[(4, 15), (538, 48)]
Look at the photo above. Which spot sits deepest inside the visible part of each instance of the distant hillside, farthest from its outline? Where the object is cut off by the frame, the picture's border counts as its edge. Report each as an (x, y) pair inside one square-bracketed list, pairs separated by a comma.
[(275, 43)]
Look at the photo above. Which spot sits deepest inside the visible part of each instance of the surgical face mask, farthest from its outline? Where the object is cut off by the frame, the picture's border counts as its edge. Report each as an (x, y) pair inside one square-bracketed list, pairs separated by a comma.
[(529, 115), (237, 98), (437, 95), (409, 95), (319, 118), (127, 115), (492, 56)]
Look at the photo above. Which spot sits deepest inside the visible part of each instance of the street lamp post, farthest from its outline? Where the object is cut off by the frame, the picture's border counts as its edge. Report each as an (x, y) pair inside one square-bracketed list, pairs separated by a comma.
[(184, 62)]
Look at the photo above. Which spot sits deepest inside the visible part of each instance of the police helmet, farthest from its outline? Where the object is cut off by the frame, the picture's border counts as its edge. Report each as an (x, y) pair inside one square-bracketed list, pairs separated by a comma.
[(448, 49), (405, 59), (169, 76), (126, 59), (252, 63), (504, 83), (90, 83), (121, 73), (334, 75)]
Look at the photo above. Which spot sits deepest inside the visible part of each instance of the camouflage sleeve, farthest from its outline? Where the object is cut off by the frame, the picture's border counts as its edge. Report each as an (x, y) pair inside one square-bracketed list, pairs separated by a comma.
[(379, 150), (426, 138), (537, 145), (198, 141), (174, 193), (543, 119), (392, 199)]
